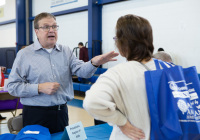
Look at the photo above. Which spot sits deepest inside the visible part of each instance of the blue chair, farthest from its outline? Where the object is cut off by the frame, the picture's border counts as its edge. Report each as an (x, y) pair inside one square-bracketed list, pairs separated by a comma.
[(76, 86), (6, 75), (8, 71), (85, 87), (98, 71), (93, 79), (102, 70)]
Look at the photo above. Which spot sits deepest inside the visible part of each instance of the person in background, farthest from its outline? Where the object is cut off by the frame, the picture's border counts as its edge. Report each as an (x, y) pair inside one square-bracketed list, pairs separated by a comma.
[(83, 53), (163, 56), (2, 77), (169, 55), (119, 95), (161, 50), (42, 76), (2, 70)]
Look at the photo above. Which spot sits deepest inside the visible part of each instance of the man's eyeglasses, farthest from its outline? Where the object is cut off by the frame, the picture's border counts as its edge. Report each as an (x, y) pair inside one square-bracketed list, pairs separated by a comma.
[(47, 28)]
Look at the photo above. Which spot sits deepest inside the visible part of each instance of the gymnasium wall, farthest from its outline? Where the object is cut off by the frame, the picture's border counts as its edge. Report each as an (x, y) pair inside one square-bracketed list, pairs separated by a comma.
[(175, 26), (73, 28), (8, 31)]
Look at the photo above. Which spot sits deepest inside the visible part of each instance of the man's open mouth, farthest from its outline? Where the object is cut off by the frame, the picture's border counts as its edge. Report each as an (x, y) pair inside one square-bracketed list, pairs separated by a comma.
[(51, 36)]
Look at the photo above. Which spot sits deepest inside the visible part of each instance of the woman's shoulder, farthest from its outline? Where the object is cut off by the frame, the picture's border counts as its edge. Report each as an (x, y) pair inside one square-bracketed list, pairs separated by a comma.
[(127, 65), (125, 69)]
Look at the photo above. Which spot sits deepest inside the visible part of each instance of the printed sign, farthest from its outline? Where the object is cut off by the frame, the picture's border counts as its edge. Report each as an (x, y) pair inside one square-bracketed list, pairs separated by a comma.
[(187, 100), (74, 132), (1, 12), (55, 3)]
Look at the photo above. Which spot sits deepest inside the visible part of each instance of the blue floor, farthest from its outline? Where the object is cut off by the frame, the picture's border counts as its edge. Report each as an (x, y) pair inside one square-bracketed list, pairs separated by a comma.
[(76, 103)]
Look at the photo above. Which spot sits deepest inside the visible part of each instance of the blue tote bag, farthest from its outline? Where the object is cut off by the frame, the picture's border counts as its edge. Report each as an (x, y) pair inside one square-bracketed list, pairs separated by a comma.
[(173, 96), (34, 132)]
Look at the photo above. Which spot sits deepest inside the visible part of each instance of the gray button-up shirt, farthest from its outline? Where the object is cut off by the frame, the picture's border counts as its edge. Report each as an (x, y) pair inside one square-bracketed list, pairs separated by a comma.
[(34, 65)]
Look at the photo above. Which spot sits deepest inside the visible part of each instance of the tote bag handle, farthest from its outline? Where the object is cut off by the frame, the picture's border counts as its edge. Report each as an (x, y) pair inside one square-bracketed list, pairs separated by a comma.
[(163, 64), (158, 63)]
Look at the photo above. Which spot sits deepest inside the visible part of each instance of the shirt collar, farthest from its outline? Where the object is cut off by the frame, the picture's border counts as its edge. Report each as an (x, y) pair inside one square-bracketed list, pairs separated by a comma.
[(38, 46)]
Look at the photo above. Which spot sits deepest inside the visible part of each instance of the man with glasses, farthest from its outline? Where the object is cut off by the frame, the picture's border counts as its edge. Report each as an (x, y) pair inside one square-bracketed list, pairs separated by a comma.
[(42, 76)]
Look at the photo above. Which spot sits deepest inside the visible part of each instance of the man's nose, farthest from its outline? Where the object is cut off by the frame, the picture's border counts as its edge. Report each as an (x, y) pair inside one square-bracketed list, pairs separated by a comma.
[(51, 29)]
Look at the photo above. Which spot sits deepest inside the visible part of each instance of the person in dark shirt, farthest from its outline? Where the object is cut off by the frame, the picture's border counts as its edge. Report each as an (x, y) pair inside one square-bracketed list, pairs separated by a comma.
[(83, 54)]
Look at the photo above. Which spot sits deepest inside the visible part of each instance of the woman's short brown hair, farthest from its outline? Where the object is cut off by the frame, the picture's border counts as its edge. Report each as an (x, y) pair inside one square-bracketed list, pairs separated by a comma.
[(41, 16), (134, 38)]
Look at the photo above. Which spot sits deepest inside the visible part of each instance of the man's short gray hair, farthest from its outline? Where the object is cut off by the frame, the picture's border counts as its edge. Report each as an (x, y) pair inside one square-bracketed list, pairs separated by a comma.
[(163, 56)]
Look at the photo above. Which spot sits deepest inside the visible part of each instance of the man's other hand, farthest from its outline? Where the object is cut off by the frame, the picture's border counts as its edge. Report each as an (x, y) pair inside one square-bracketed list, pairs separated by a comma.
[(48, 88)]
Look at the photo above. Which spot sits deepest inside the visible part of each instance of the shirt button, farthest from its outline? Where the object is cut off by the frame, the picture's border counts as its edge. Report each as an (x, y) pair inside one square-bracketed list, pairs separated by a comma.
[(54, 76), (53, 65)]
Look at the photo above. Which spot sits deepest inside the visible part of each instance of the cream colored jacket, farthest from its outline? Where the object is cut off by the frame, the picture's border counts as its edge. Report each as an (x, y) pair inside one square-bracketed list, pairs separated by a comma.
[(120, 95)]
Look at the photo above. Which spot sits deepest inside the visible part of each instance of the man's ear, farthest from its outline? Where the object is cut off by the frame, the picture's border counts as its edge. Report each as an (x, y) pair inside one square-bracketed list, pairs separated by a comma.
[(36, 31)]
